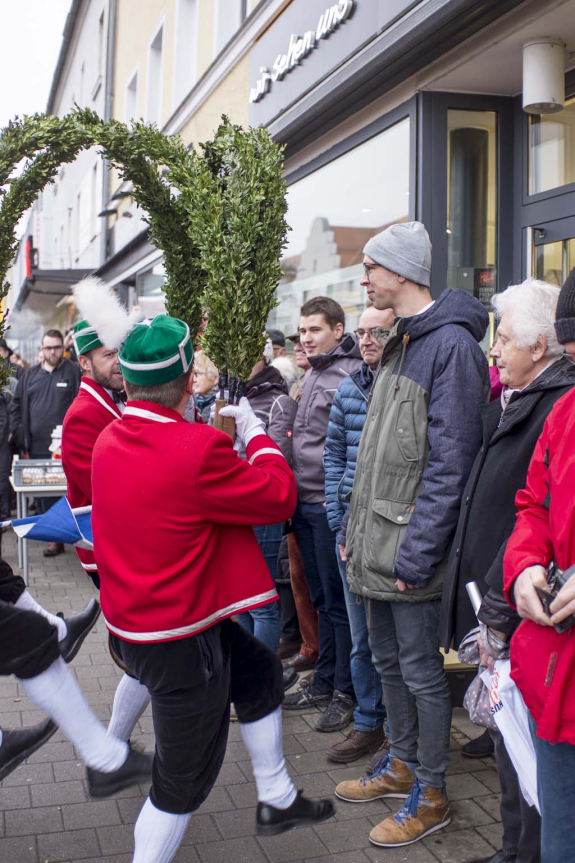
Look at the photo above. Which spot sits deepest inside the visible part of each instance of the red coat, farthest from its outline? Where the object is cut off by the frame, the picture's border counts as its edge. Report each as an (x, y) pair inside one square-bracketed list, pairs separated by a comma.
[(542, 661), (88, 415), (173, 510)]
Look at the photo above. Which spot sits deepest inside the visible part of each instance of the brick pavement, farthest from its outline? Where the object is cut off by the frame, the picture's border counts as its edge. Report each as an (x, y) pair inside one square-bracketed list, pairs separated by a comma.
[(46, 815)]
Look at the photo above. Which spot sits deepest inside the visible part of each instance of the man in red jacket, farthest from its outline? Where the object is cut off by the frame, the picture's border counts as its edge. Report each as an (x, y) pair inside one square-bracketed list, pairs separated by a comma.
[(177, 557), (95, 407), (543, 660)]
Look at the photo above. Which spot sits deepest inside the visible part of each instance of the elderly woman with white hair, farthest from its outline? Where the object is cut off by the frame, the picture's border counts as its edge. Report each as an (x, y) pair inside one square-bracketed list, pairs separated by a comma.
[(534, 373)]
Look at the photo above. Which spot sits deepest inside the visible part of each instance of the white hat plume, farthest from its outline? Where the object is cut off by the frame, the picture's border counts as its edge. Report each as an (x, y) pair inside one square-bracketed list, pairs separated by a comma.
[(99, 305)]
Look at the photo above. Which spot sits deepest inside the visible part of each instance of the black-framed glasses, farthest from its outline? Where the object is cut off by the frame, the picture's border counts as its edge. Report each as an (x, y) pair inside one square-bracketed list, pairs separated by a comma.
[(376, 333), (53, 347)]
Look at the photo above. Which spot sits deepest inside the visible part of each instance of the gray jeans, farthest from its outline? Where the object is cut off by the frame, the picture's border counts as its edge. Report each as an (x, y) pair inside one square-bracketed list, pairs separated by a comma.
[(404, 641)]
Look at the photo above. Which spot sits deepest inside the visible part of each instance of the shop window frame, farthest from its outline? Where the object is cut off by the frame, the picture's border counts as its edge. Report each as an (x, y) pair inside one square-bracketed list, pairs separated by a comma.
[(406, 110), (432, 170), (557, 191)]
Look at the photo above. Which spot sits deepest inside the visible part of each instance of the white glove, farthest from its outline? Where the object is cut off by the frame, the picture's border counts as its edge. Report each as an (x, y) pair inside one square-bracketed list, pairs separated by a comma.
[(248, 425)]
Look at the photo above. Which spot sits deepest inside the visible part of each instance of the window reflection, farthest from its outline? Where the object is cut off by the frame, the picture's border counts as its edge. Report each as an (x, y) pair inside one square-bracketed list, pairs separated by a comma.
[(333, 212), (552, 149), (472, 202)]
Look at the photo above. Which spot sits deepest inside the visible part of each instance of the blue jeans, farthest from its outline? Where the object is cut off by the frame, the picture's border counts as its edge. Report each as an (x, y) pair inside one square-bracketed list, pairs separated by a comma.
[(556, 792), (317, 546), (264, 622), (404, 641), (370, 712)]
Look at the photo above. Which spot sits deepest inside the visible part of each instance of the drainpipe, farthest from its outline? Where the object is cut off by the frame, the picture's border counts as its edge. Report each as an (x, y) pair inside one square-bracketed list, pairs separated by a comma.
[(108, 100)]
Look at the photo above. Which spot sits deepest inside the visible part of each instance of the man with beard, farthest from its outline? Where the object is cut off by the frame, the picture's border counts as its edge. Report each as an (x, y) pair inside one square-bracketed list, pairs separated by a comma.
[(43, 395)]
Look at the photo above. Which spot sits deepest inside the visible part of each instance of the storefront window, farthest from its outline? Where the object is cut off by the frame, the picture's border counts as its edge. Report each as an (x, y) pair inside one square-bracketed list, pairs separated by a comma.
[(333, 212), (554, 261), (472, 202), (150, 291), (552, 149)]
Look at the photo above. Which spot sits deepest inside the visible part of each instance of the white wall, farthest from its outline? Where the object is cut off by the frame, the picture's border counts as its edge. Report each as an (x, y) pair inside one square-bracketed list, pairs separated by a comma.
[(70, 234)]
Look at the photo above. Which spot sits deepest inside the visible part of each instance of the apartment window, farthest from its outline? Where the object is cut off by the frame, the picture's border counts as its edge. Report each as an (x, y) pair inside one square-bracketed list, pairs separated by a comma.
[(154, 100), (186, 49), (131, 105), (76, 252), (81, 96), (229, 16), (101, 43), (94, 208)]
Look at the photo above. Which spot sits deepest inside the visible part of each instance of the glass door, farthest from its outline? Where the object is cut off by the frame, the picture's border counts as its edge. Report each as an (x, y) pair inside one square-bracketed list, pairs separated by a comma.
[(553, 250)]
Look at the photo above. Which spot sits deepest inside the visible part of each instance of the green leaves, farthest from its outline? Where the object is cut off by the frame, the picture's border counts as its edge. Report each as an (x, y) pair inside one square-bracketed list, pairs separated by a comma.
[(218, 216), (236, 209)]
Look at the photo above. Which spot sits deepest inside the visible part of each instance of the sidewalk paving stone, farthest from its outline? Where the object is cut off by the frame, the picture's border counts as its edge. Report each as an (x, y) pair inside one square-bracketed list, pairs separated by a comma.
[(47, 816)]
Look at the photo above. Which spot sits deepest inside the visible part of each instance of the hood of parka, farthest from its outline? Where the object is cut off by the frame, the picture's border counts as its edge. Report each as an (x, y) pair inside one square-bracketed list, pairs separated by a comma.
[(268, 379), (453, 306), (348, 347)]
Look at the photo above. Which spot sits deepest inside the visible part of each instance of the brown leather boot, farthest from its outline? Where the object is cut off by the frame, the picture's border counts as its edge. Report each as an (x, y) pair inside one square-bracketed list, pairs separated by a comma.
[(356, 744), (425, 811), (392, 779)]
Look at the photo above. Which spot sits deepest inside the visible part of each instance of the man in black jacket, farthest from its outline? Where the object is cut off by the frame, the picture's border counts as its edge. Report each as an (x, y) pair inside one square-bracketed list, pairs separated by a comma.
[(534, 374), (43, 395)]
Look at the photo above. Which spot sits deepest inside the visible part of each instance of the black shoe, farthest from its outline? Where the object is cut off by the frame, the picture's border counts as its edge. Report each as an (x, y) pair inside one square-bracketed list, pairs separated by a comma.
[(481, 747), (499, 857), (79, 625), (53, 548), (290, 677), (19, 744), (271, 821), (337, 715), (305, 697), (136, 768)]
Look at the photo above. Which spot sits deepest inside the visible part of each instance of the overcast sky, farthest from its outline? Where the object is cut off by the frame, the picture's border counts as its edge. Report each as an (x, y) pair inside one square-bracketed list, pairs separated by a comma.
[(31, 40)]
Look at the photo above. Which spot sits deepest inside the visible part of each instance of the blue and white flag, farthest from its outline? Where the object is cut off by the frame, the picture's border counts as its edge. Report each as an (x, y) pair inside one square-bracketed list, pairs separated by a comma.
[(60, 524)]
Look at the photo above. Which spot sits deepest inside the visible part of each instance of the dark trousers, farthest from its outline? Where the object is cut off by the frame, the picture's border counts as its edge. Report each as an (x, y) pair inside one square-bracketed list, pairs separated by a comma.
[(191, 681), (521, 822), (43, 504), (556, 792), (288, 613), (317, 545), (28, 643)]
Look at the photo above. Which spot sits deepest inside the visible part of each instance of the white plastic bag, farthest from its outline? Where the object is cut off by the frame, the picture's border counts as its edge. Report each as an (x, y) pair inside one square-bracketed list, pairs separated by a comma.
[(512, 719)]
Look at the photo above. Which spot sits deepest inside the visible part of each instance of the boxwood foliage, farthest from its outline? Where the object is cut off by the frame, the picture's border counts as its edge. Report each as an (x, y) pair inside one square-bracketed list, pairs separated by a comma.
[(236, 207)]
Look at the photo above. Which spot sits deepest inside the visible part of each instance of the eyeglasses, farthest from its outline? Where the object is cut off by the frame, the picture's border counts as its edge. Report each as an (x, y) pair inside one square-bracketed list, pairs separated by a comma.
[(376, 333), (53, 347), (368, 269)]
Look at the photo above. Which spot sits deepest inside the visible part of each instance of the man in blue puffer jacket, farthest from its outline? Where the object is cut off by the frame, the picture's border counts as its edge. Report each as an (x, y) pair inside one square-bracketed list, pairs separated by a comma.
[(346, 421)]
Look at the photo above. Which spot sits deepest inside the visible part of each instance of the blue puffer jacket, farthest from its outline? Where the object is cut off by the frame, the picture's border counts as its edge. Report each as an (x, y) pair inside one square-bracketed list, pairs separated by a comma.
[(346, 420)]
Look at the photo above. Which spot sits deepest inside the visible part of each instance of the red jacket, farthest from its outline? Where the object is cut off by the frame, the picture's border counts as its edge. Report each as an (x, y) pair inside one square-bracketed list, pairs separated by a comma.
[(87, 417), (173, 510), (542, 661)]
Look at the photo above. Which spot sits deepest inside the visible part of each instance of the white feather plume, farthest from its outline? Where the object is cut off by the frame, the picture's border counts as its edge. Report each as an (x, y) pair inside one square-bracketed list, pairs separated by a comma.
[(99, 305)]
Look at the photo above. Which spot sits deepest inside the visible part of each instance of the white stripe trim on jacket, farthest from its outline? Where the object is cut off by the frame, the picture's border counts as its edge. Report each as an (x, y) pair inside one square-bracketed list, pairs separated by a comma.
[(147, 415), (89, 566), (115, 412), (266, 451), (180, 631)]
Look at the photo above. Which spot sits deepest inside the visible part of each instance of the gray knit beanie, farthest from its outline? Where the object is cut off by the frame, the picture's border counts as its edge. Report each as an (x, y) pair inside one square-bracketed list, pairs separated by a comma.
[(565, 314), (404, 249)]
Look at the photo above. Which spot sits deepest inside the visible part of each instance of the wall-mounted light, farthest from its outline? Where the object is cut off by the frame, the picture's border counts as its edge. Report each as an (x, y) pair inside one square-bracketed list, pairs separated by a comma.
[(544, 75)]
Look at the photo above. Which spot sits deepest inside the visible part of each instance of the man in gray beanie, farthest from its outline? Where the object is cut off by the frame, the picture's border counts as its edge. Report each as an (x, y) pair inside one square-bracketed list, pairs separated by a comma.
[(420, 438)]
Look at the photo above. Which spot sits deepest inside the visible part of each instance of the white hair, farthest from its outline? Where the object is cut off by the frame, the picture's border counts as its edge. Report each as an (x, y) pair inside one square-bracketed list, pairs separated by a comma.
[(531, 309)]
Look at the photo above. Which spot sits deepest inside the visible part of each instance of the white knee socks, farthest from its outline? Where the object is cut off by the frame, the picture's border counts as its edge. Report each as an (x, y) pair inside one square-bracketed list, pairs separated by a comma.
[(27, 602), (263, 740), (158, 834), (56, 692), (130, 701)]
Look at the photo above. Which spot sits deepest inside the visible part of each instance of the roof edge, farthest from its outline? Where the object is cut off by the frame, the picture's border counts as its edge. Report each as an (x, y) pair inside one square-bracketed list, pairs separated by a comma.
[(71, 19)]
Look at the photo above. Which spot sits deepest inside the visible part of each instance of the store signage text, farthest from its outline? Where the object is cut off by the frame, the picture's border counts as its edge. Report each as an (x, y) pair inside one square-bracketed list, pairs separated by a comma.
[(300, 46)]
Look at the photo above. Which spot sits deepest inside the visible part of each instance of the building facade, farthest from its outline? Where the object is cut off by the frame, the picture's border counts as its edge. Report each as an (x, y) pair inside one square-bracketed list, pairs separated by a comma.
[(409, 109), (413, 110)]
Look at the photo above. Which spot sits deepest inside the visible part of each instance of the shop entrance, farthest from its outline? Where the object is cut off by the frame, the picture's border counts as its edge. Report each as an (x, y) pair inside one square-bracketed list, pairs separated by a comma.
[(553, 250)]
